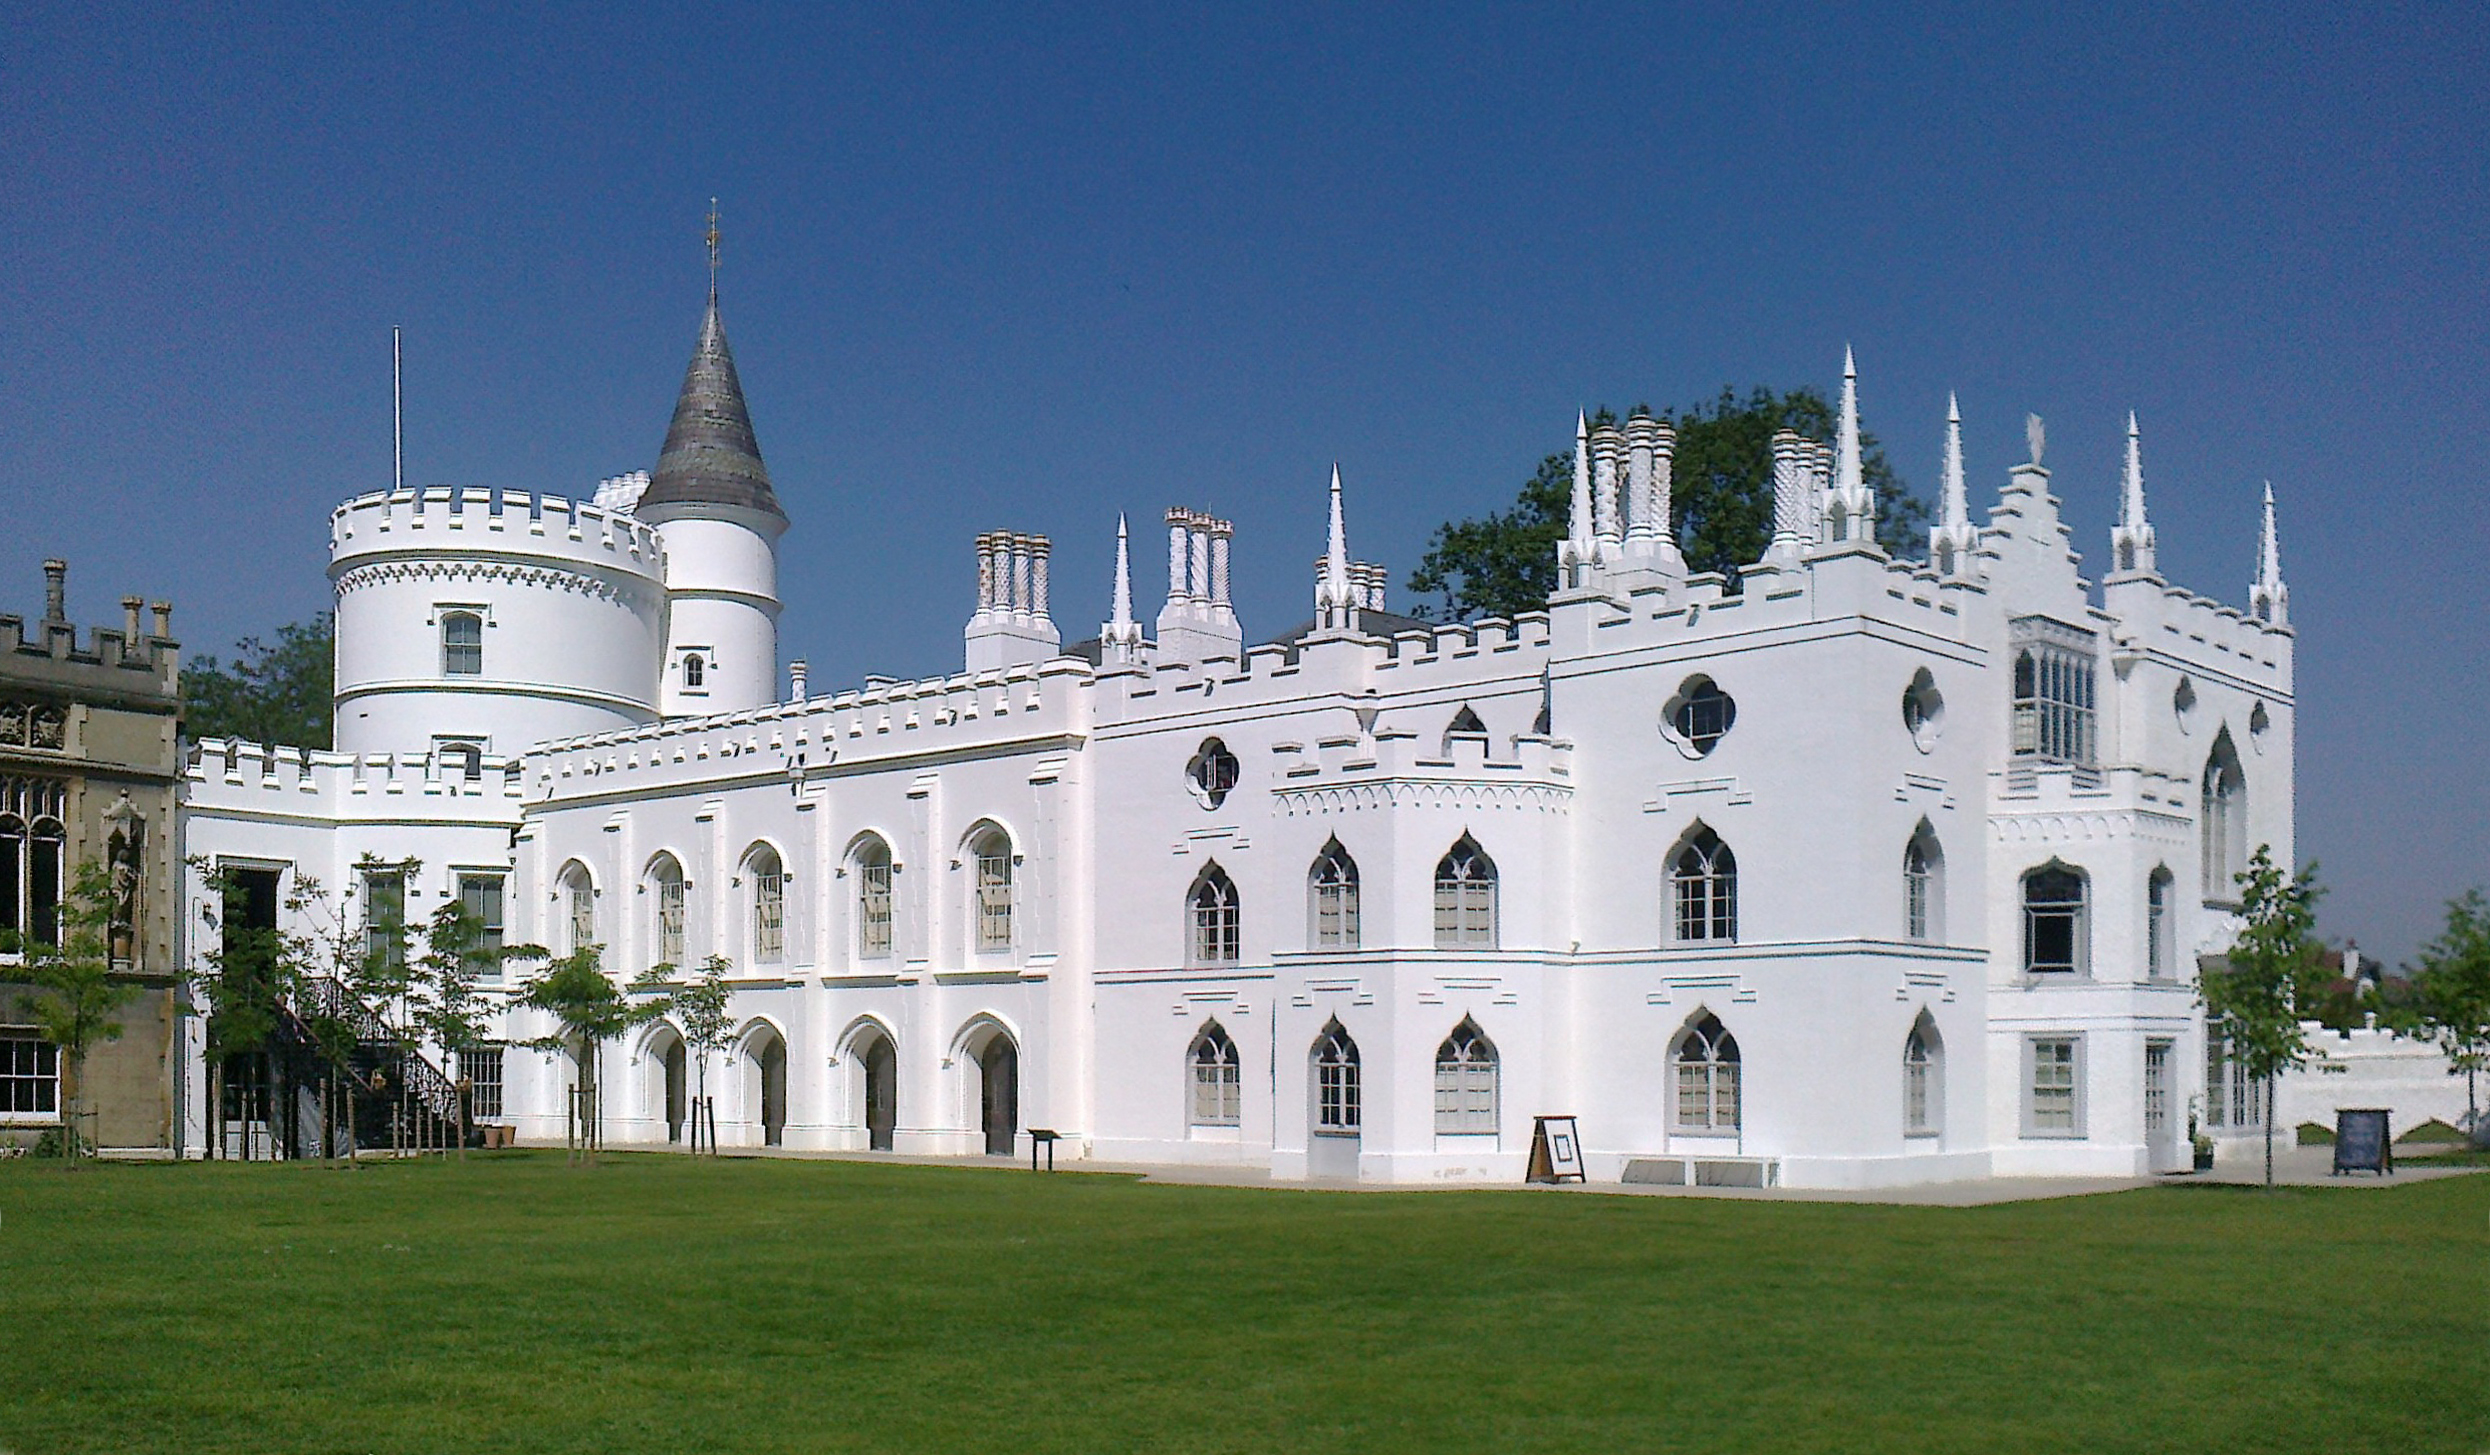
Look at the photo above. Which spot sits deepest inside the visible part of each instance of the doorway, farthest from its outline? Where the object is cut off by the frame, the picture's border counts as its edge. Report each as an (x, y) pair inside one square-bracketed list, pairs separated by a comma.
[(881, 1093), (678, 1094), (998, 1065), (774, 1093), (2161, 1131)]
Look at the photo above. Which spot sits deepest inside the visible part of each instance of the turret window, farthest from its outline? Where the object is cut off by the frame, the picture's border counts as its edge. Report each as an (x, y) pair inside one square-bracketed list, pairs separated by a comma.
[(2054, 921), (695, 672), (2054, 668), (462, 644), (1214, 915), (992, 853), (1465, 897), (1332, 885)]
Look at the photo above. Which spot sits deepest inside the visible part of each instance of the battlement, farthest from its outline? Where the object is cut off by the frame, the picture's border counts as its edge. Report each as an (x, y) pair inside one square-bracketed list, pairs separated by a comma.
[(885, 719), (443, 519), (127, 662), (230, 774)]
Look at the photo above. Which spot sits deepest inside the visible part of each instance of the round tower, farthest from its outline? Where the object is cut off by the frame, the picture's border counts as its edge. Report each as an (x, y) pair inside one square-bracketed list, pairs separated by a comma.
[(471, 617), (710, 499)]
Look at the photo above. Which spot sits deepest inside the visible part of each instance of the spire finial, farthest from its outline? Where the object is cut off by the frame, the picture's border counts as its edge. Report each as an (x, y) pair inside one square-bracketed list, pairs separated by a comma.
[(1847, 466), (713, 249), (1123, 633), (1338, 595), (1957, 496), (2269, 600), (1578, 517), (2131, 540)]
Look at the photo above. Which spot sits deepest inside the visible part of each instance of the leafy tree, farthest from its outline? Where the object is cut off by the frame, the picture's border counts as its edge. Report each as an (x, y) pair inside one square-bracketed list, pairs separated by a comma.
[(280, 693), (452, 1014), (575, 990), (242, 982), (700, 1007), (2451, 995), (1720, 501), (75, 993), (2255, 993)]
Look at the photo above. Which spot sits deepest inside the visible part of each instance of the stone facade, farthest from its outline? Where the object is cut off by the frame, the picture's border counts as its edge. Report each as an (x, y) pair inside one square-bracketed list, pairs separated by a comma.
[(88, 764)]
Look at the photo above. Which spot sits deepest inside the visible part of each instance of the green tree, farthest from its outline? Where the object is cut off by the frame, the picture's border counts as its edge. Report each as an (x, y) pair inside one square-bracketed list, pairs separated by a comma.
[(2254, 993), (1720, 501), (453, 1014), (268, 693), (242, 981), (2451, 996), (75, 992), (591, 1010), (699, 1007)]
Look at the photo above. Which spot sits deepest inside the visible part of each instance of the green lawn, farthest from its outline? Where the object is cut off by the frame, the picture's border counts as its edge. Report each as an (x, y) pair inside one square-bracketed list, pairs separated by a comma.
[(665, 1304)]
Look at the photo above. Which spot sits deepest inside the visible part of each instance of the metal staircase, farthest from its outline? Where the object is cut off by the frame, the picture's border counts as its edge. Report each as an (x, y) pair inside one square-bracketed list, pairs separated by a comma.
[(390, 1096)]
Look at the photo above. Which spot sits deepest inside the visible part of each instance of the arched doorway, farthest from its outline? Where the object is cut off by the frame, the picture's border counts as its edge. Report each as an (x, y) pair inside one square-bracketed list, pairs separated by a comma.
[(881, 1092), (678, 1090), (998, 1066), (774, 1093), (1337, 1123)]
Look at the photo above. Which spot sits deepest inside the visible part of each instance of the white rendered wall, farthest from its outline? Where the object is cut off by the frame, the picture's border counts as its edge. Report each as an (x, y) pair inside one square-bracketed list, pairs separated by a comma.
[(722, 603)]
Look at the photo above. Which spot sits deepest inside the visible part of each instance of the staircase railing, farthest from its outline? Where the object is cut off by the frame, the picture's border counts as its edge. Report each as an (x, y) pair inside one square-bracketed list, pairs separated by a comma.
[(413, 1076)]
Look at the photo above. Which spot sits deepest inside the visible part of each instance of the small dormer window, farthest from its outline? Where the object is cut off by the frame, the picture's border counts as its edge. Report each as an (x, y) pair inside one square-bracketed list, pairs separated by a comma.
[(462, 644), (695, 673)]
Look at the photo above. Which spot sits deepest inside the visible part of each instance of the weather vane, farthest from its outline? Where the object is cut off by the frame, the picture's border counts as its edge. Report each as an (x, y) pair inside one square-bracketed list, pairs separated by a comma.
[(2034, 433), (713, 247)]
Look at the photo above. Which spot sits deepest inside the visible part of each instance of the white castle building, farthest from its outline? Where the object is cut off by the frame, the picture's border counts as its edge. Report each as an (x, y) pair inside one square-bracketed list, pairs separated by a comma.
[(1849, 872)]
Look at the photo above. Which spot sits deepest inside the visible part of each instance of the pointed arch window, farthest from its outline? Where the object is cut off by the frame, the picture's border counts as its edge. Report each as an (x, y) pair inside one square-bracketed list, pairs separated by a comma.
[(1465, 724), (33, 856), (1465, 897), (2055, 921), (873, 899), (2160, 953), (766, 875), (2225, 816), (665, 877), (1465, 1081), (1704, 880), (1706, 1059), (1218, 1098), (462, 644), (1923, 885), (1331, 886), (579, 906), (992, 853), (1923, 1103), (1213, 911), (1336, 1089)]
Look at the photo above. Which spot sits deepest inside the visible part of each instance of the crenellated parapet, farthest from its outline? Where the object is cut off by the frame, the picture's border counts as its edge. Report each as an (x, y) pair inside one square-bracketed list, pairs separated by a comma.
[(460, 521), (449, 785)]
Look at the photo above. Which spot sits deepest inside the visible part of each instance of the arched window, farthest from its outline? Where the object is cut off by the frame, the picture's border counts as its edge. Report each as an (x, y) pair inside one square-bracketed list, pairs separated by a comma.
[(1213, 911), (1332, 887), (1700, 715), (1218, 1088), (2054, 929), (1704, 878), (1923, 1094), (2053, 691), (1335, 1080), (1465, 1081), (1923, 885), (579, 905), (1465, 897), (1212, 773), (33, 844), (766, 875), (695, 672), (2226, 821), (462, 644), (873, 899), (1706, 1057), (1465, 724), (993, 855), (2160, 954), (665, 879)]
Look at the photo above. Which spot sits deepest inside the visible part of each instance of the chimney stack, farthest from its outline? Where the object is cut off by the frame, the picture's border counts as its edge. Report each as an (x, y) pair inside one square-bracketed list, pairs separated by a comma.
[(56, 590)]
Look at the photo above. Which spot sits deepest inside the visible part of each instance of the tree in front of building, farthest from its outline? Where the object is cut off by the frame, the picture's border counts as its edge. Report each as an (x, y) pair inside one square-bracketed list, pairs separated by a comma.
[(76, 995), (699, 1008), (457, 954), (2450, 1000), (2253, 994), (242, 982), (280, 692), (590, 1010), (1504, 564)]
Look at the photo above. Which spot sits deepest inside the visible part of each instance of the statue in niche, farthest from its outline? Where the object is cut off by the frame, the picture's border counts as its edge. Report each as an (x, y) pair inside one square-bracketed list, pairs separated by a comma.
[(125, 872), (13, 724)]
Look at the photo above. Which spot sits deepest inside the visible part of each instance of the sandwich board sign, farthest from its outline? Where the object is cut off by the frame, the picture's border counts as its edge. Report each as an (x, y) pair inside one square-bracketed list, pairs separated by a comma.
[(2360, 1141), (1555, 1151)]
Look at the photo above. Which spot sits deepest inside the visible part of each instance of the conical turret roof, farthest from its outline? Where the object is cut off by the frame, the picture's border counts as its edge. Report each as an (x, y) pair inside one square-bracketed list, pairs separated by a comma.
[(711, 457)]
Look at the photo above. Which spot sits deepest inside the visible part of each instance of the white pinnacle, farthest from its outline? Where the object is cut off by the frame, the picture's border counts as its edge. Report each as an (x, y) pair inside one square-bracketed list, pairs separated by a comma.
[(1957, 502), (1578, 524), (1846, 462), (1336, 562), (2269, 546), (1122, 626), (2131, 501)]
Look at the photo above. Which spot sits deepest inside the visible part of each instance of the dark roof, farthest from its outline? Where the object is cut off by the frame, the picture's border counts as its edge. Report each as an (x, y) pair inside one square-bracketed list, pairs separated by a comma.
[(711, 457), (1371, 623)]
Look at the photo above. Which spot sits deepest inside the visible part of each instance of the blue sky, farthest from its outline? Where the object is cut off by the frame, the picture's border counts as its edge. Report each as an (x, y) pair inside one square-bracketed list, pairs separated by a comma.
[(1023, 268)]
